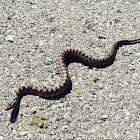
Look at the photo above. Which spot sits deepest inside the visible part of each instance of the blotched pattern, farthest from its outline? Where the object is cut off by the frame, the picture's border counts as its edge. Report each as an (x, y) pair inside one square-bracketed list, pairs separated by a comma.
[(64, 75)]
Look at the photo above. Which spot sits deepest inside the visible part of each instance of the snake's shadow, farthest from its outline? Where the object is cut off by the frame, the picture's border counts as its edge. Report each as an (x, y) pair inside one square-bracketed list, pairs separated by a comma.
[(15, 111)]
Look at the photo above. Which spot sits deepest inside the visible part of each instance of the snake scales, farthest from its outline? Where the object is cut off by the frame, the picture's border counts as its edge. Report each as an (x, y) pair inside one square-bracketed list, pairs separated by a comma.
[(64, 75)]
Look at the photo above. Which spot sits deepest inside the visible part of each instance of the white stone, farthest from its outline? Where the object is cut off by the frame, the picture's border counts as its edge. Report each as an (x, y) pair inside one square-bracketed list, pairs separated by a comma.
[(54, 106), (24, 133), (65, 128), (34, 109), (78, 138), (1, 138), (104, 116), (126, 112), (41, 43), (34, 7), (10, 38)]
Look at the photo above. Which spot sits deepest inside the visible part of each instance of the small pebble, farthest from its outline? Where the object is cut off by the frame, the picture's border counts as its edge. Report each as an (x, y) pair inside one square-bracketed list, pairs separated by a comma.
[(10, 38), (1, 138), (24, 133), (64, 128), (108, 133), (41, 43), (104, 117), (20, 113), (34, 109)]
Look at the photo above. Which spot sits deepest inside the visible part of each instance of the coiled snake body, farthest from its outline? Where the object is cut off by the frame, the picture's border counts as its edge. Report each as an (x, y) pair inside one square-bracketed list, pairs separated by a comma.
[(64, 75)]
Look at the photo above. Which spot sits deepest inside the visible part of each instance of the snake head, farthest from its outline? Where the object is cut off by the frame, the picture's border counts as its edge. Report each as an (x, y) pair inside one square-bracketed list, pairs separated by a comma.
[(10, 105)]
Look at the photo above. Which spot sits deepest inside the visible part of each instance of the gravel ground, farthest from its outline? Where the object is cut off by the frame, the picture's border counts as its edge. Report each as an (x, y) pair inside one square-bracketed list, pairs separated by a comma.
[(103, 103)]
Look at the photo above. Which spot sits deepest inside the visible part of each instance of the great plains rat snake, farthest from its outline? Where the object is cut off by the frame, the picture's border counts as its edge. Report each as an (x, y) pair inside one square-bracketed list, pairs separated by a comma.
[(64, 75)]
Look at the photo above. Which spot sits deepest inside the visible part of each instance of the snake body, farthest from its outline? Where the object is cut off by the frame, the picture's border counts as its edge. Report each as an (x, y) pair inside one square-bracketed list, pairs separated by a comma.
[(63, 71)]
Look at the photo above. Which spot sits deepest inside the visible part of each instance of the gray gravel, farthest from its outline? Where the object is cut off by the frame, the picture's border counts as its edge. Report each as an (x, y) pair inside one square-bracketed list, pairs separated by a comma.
[(103, 103)]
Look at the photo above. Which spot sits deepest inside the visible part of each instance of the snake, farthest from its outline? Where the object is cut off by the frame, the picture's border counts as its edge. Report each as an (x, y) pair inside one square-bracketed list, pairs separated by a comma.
[(68, 54)]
